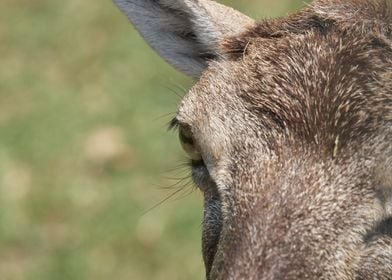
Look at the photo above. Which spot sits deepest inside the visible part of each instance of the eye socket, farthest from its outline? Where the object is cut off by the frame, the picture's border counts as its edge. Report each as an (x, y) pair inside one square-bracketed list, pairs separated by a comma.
[(188, 143)]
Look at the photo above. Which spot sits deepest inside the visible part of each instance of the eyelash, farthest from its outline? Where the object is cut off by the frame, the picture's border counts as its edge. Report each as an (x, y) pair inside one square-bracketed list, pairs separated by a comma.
[(174, 124)]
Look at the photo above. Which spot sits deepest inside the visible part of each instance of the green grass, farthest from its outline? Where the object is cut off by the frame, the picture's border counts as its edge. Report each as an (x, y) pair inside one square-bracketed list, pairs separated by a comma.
[(84, 150)]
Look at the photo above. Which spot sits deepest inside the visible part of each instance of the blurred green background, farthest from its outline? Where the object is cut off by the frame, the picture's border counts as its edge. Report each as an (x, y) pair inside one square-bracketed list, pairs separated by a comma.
[(84, 151)]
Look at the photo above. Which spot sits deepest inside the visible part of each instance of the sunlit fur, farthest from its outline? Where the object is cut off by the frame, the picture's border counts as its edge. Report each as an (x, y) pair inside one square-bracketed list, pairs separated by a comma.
[(293, 118)]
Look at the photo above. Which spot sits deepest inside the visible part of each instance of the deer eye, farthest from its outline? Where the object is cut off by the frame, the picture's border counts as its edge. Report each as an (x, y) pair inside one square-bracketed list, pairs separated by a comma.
[(188, 143)]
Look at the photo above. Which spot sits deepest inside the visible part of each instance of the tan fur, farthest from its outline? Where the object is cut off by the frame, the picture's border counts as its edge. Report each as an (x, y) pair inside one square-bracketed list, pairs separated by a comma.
[(293, 120)]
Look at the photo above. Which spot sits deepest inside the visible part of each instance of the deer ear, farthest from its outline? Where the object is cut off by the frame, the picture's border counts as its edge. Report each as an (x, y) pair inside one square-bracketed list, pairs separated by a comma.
[(186, 33)]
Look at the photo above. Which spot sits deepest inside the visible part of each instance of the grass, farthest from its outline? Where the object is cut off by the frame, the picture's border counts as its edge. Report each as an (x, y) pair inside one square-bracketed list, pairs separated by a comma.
[(84, 150)]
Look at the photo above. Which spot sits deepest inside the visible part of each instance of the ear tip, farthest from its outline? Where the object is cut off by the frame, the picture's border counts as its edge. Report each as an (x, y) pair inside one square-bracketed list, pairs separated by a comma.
[(123, 4), (119, 3), (128, 7)]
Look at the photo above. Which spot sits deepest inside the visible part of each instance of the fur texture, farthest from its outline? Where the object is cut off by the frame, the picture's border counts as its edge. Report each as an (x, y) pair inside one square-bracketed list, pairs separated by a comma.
[(294, 123), (186, 33)]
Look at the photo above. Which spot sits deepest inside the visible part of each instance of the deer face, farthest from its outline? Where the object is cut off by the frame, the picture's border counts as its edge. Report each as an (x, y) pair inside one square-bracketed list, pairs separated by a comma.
[(288, 130)]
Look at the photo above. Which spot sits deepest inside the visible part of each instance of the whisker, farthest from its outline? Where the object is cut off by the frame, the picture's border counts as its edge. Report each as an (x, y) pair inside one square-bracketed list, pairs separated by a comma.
[(190, 191), (181, 185), (162, 201), (164, 116), (177, 178), (176, 92), (179, 87), (180, 167), (177, 184)]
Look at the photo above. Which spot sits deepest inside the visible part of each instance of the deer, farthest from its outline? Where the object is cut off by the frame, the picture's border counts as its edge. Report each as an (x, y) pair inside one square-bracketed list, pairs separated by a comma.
[(288, 130)]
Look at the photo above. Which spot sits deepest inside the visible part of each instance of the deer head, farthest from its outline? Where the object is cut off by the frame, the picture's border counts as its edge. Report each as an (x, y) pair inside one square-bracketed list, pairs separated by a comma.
[(289, 130)]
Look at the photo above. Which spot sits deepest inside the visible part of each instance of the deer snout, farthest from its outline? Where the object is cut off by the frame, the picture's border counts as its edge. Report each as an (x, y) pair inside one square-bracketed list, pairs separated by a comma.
[(305, 221)]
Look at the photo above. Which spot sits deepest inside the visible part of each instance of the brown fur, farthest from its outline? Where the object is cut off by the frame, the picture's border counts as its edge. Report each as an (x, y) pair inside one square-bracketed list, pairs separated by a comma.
[(294, 121)]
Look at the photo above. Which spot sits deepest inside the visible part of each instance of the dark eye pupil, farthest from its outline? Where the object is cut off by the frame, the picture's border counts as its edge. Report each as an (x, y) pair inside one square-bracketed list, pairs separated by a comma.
[(186, 140)]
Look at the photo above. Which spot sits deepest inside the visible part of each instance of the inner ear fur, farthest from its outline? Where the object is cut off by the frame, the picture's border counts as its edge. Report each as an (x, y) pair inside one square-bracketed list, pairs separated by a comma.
[(186, 33)]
